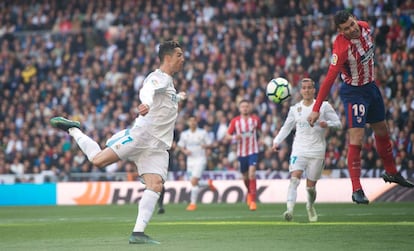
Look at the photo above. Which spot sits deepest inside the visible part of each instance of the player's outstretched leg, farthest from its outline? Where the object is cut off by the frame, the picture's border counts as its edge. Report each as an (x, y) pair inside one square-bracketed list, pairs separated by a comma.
[(397, 178), (384, 149), (63, 123)]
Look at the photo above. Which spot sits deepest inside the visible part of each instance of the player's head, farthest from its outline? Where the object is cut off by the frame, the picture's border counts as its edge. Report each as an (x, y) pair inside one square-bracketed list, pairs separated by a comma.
[(192, 122), (307, 89), (347, 24), (244, 107), (171, 56)]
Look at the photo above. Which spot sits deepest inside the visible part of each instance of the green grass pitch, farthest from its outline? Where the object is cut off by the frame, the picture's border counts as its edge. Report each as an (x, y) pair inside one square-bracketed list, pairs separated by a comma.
[(378, 226)]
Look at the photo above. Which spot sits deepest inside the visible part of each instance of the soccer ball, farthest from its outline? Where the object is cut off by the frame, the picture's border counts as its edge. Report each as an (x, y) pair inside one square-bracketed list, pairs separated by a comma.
[(278, 90)]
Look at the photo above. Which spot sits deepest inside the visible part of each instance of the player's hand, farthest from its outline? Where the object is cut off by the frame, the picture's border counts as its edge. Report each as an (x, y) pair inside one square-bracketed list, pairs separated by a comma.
[(183, 95), (187, 152), (313, 117), (143, 109), (237, 137), (275, 147), (323, 124)]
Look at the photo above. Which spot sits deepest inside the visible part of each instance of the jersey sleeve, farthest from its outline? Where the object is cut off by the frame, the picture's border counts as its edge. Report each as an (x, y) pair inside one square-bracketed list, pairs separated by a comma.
[(151, 85), (231, 128), (331, 116), (259, 123), (338, 59), (286, 128), (207, 139), (182, 142)]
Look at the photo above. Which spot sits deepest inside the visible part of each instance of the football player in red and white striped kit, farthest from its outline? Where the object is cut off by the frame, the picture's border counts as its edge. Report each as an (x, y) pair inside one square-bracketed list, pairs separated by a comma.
[(243, 129), (353, 58)]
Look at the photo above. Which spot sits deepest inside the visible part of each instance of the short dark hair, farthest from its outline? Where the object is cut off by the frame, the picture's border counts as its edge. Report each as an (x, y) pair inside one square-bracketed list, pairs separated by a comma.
[(167, 48), (308, 80), (341, 17), (244, 101)]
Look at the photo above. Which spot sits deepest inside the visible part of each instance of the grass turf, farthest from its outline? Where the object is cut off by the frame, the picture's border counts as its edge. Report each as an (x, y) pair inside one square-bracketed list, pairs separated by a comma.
[(378, 226)]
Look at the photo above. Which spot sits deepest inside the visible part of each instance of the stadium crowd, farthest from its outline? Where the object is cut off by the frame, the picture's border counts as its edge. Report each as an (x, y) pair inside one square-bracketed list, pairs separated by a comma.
[(86, 60)]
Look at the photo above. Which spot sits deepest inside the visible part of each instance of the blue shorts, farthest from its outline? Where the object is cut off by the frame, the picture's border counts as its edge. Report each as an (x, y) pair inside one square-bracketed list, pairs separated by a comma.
[(362, 104), (245, 162)]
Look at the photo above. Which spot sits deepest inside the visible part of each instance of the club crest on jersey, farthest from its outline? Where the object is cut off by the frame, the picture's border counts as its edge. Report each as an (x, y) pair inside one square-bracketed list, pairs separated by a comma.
[(299, 110), (334, 59)]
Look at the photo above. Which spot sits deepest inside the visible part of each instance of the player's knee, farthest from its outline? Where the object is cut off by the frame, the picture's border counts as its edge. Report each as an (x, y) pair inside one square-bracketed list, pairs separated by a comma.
[(194, 182), (156, 187), (100, 162), (294, 181), (97, 162), (104, 158)]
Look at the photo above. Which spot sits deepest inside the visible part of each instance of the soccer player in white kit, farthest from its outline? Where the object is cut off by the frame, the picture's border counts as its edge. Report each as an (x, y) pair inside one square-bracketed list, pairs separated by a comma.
[(309, 146), (147, 141), (193, 143)]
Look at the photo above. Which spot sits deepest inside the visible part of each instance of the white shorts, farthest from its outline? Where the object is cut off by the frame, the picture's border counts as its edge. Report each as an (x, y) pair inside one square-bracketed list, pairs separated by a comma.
[(311, 166), (196, 167), (149, 153)]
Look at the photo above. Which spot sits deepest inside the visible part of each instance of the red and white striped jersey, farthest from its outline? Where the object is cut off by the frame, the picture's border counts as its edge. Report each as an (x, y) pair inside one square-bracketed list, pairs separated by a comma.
[(353, 58), (247, 128)]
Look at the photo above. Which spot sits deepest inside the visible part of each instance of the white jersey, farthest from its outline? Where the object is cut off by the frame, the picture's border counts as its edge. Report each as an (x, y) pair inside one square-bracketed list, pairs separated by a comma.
[(194, 142), (159, 93), (309, 141)]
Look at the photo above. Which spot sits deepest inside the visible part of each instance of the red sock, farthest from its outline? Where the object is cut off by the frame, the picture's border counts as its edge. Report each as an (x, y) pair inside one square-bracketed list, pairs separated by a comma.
[(384, 150), (252, 189), (354, 166)]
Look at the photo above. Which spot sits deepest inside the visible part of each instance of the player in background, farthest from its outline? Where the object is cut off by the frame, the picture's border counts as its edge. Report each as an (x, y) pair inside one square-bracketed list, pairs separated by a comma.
[(147, 141), (309, 146), (353, 57), (193, 142), (243, 130)]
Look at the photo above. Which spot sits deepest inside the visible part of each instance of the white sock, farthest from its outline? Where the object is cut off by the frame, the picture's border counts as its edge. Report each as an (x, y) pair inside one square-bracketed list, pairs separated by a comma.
[(292, 193), (194, 194), (311, 196), (145, 209), (88, 146)]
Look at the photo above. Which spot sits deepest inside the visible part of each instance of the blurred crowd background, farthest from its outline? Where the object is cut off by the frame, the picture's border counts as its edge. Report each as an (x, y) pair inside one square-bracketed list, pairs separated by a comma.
[(86, 60)]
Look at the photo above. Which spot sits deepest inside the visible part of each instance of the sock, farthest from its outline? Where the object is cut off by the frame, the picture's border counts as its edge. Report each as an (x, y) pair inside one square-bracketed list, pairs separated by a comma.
[(88, 146), (354, 166), (384, 150), (292, 193), (161, 198), (311, 196), (252, 189), (146, 207), (194, 194)]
